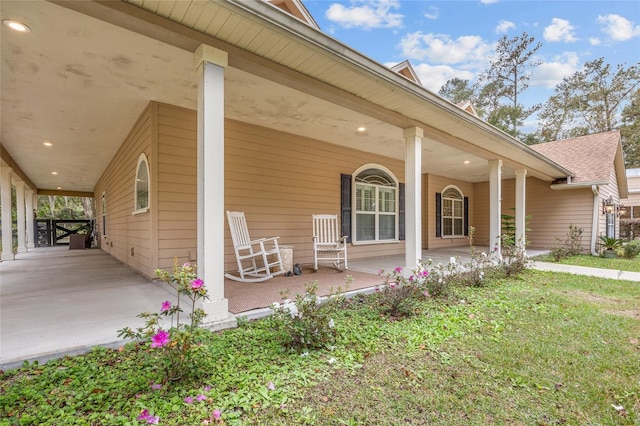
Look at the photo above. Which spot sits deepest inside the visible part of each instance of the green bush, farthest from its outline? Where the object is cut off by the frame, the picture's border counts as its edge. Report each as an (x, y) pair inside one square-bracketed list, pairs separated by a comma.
[(571, 245), (308, 323), (631, 249), (399, 296)]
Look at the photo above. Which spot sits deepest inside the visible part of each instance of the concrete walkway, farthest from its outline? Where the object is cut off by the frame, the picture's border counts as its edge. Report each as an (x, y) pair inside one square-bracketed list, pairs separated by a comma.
[(591, 272)]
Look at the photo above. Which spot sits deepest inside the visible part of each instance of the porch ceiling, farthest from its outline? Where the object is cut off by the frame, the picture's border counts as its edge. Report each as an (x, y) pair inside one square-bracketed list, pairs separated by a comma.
[(80, 83)]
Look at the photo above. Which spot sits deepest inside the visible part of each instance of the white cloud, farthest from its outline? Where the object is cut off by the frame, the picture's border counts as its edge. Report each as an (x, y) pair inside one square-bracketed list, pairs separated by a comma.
[(559, 30), (434, 77), (366, 14), (432, 13), (504, 26), (441, 49), (549, 74), (488, 1), (618, 28), (594, 41)]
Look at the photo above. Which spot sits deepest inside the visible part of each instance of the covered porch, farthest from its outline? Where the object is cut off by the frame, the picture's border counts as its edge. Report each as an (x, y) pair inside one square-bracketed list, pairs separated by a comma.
[(57, 301)]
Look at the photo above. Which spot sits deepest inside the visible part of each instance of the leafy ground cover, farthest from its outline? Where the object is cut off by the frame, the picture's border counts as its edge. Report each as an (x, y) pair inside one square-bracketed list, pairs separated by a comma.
[(543, 349), (617, 264)]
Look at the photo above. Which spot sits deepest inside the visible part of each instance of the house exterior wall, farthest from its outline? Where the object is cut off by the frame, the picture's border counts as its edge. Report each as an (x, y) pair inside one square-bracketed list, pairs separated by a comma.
[(279, 180), (606, 191), (433, 184), (127, 237), (551, 211)]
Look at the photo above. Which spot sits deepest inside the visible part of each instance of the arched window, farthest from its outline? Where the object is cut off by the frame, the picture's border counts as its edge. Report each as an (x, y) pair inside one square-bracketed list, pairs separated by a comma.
[(142, 185), (376, 205), (452, 212)]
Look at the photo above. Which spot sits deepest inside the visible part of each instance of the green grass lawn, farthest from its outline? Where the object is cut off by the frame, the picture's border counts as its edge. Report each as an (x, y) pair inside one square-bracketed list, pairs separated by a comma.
[(544, 349), (617, 264)]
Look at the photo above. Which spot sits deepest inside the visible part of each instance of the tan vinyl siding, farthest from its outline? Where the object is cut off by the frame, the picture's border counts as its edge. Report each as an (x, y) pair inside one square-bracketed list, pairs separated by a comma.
[(128, 236), (436, 184), (177, 185), (551, 211)]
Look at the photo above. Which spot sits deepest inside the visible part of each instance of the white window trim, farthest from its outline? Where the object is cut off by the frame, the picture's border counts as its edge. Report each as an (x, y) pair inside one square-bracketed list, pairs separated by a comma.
[(142, 158), (446, 188), (354, 211)]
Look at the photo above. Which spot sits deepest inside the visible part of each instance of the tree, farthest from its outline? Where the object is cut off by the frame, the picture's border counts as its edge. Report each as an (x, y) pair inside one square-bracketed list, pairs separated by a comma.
[(506, 78), (458, 90), (630, 131), (589, 101)]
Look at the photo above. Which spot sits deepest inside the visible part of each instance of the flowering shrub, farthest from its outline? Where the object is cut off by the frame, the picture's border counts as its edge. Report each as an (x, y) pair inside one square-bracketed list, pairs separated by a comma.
[(514, 260), (399, 295), (308, 322), (175, 347)]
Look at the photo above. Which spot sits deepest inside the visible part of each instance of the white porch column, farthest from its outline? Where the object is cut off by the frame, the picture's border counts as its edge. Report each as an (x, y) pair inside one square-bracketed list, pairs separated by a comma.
[(495, 204), (29, 217), (521, 212), (413, 178), (211, 63), (21, 217), (5, 201)]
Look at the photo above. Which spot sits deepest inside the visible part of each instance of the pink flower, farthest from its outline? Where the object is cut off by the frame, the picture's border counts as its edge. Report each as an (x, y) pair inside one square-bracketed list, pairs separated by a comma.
[(392, 285), (160, 339), (145, 416), (426, 293), (377, 289), (166, 305), (188, 400), (207, 388), (217, 414), (201, 397), (398, 270), (186, 265), (271, 386), (425, 273), (411, 279), (156, 386), (196, 284)]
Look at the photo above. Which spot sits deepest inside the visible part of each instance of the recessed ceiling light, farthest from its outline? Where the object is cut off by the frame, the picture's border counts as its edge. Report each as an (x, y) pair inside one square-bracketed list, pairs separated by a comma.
[(15, 25), (54, 173), (361, 129), (47, 144), (466, 161), (59, 187)]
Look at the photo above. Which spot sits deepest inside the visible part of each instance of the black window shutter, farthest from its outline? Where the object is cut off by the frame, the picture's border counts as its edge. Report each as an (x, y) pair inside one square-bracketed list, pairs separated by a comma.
[(401, 220), (438, 214), (345, 205), (466, 216)]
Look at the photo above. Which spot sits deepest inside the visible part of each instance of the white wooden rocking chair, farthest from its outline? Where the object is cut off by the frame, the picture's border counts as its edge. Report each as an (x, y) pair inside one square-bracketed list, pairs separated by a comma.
[(258, 260), (328, 244)]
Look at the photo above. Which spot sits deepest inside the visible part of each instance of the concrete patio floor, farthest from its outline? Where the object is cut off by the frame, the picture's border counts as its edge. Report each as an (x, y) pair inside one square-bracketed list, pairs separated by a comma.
[(56, 301)]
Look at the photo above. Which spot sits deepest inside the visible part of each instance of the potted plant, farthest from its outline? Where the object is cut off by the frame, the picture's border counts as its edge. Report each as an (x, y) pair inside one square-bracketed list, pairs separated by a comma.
[(610, 245)]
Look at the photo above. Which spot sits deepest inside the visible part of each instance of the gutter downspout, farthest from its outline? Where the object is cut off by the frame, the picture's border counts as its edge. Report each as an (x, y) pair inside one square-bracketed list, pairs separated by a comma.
[(594, 219)]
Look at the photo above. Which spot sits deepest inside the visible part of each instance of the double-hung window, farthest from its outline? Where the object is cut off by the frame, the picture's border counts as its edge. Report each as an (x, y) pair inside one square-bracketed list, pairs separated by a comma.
[(376, 206), (452, 213)]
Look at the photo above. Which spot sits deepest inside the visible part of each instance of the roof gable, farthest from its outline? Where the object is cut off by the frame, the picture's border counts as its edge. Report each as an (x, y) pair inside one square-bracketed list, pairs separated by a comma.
[(405, 69), (468, 106), (589, 157), (296, 9)]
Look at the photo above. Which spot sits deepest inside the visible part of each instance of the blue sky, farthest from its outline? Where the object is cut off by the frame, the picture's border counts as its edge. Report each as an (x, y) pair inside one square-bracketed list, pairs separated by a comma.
[(446, 39)]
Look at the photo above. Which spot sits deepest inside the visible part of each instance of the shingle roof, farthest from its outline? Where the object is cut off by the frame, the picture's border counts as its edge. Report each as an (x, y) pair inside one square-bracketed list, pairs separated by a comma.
[(589, 157)]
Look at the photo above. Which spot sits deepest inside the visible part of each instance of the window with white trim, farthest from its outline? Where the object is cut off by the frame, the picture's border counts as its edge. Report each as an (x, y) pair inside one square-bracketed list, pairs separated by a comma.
[(452, 212), (376, 206), (142, 185), (104, 214)]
